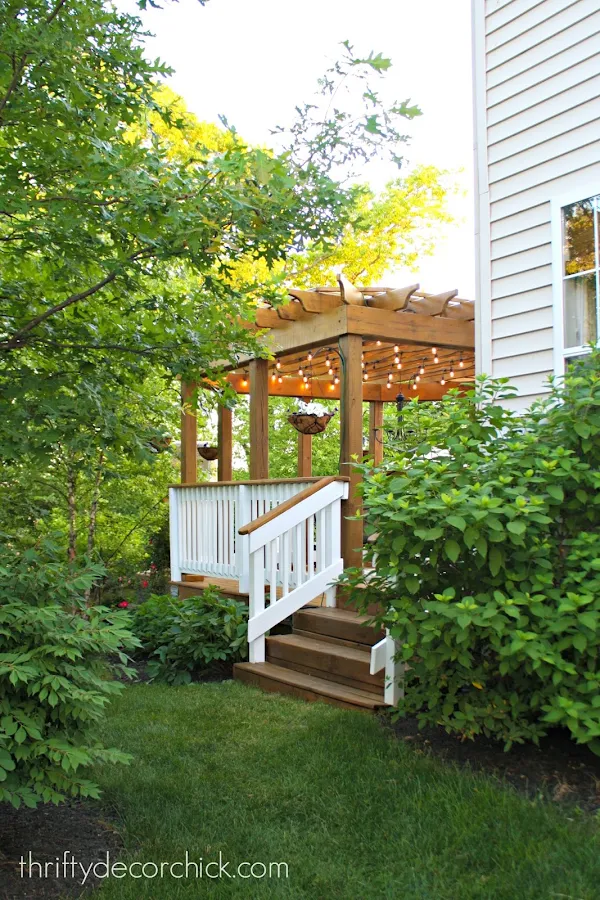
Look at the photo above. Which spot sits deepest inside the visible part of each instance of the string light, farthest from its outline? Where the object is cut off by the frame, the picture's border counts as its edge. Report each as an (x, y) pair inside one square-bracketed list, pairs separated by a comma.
[(365, 376), (396, 348), (362, 365), (422, 369), (414, 387), (436, 358), (336, 380), (300, 372), (280, 380), (451, 370), (379, 343), (443, 379), (305, 379), (327, 361), (310, 356), (460, 362), (244, 382), (331, 371), (417, 377), (273, 376), (434, 351), (277, 365), (396, 359)]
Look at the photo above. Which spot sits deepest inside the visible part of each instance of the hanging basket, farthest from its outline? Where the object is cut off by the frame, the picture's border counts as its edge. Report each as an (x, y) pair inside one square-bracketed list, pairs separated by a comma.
[(208, 453), (309, 423)]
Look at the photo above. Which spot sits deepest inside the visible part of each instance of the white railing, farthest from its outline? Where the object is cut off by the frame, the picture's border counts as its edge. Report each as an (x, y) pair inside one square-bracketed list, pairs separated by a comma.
[(205, 520), (383, 656), (296, 550)]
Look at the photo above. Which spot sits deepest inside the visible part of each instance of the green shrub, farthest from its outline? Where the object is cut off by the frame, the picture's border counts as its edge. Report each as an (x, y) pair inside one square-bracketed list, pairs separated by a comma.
[(54, 676), (185, 637), (488, 563)]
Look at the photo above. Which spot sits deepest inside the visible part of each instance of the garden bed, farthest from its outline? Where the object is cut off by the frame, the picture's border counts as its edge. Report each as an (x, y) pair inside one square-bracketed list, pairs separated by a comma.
[(83, 829)]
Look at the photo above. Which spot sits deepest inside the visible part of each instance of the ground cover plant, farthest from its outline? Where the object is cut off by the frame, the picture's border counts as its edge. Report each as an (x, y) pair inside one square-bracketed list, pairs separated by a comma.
[(353, 811), (186, 637), (487, 552)]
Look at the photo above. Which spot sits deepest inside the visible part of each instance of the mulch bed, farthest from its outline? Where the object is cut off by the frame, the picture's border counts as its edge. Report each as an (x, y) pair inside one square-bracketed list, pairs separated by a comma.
[(83, 829), (558, 770)]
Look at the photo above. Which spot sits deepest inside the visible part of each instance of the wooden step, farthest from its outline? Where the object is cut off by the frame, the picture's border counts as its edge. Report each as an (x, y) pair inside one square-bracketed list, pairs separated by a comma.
[(276, 679), (343, 624), (335, 662)]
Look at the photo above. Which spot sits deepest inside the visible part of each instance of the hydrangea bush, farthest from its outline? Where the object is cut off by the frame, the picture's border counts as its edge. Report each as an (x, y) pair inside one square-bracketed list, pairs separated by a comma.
[(486, 550)]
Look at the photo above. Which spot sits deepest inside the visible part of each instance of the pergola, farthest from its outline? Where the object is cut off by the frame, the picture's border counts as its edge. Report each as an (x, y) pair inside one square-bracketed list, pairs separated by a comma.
[(350, 344)]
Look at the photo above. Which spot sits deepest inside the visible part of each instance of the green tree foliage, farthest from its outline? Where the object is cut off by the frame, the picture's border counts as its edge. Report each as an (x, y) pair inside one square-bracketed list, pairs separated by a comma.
[(487, 551), (54, 677)]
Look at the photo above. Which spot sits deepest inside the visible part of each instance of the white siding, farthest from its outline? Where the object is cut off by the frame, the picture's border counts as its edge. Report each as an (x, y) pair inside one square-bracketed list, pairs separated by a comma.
[(537, 122)]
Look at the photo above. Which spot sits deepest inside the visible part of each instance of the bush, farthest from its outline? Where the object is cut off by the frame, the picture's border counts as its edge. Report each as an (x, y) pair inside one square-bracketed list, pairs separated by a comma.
[(487, 555), (189, 636), (54, 675)]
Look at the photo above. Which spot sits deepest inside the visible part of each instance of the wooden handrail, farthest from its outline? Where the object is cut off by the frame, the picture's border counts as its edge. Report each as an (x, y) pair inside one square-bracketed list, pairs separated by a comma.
[(309, 479), (289, 504)]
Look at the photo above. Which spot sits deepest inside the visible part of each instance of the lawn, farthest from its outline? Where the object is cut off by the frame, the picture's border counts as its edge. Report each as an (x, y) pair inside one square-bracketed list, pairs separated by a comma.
[(353, 812)]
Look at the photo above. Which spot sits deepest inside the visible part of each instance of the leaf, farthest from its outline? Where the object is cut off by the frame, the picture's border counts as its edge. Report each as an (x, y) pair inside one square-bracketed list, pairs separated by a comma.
[(495, 560), (517, 527), (456, 522), (452, 550)]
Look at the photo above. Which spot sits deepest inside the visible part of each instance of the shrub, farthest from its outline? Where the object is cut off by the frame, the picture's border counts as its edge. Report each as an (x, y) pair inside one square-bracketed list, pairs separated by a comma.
[(54, 675), (488, 563), (185, 637)]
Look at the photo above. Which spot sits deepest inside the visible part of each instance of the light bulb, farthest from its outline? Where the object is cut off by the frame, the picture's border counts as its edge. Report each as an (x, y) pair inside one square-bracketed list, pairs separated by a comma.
[(436, 359), (399, 366), (443, 381), (396, 359), (331, 371), (434, 351), (280, 380), (414, 386), (309, 357), (396, 348), (379, 343), (451, 373), (366, 376), (461, 363), (417, 377), (306, 379), (336, 380), (277, 365)]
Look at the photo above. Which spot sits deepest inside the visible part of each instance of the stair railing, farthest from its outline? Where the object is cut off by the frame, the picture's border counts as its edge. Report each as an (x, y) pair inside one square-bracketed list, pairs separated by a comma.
[(383, 656), (295, 549)]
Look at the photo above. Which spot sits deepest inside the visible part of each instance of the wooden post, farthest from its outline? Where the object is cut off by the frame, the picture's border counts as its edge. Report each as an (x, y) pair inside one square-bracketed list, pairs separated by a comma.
[(351, 444), (189, 438), (225, 464), (376, 431), (259, 418), (304, 455)]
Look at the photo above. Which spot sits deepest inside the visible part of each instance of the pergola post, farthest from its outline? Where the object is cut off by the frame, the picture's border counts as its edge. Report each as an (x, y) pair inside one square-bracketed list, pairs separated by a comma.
[(350, 346), (259, 419), (376, 431), (189, 438), (304, 455), (224, 443)]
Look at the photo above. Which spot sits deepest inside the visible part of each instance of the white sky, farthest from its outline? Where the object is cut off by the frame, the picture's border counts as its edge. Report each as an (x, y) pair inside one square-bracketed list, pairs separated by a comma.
[(254, 60)]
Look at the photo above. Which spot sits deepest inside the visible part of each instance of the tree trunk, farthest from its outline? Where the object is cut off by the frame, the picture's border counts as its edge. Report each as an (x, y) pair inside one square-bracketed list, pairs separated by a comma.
[(91, 537)]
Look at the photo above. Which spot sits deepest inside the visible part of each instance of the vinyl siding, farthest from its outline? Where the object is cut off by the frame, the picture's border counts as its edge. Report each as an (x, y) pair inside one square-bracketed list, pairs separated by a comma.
[(538, 127)]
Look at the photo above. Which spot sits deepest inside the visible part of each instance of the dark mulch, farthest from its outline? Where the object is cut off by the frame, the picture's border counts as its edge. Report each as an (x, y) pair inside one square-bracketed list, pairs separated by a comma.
[(217, 671), (83, 829), (558, 770)]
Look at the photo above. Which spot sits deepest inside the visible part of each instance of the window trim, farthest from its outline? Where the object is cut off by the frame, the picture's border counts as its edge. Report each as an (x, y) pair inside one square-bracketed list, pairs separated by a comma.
[(581, 191)]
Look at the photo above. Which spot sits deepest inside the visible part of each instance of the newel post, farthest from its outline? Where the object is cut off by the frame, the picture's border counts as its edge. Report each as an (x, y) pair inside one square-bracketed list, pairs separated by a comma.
[(189, 437)]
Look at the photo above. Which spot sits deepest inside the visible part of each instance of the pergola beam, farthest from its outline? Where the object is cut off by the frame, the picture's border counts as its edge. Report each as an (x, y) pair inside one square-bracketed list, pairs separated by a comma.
[(323, 389)]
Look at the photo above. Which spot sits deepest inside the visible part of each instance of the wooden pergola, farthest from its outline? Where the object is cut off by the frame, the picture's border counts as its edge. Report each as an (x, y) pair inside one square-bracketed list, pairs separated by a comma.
[(350, 344)]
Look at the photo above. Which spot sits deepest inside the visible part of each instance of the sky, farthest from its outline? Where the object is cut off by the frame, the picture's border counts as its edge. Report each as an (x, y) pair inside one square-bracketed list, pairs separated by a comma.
[(254, 60)]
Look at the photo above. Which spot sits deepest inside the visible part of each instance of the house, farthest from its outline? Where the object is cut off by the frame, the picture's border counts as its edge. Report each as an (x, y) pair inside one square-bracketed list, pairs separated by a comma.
[(536, 67), (280, 544)]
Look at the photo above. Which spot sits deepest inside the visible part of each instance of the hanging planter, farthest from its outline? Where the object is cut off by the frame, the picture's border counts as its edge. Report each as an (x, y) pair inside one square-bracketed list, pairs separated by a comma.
[(311, 418), (208, 453)]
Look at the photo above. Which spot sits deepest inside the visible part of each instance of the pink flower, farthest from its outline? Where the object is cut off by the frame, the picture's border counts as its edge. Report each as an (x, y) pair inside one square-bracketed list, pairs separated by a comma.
[(123, 604), (153, 567), (144, 584)]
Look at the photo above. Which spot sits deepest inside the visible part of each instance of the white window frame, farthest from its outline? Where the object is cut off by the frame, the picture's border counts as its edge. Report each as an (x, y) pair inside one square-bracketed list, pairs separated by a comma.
[(580, 192)]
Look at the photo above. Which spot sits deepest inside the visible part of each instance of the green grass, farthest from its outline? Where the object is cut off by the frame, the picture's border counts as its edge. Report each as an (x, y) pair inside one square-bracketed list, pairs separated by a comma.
[(354, 812)]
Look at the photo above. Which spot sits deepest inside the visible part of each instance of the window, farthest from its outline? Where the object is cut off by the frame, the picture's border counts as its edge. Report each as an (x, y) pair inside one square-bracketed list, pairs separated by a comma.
[(577, 277)]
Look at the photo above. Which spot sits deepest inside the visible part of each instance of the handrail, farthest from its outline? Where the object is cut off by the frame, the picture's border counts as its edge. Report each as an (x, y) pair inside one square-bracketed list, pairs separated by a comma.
[(289, 504), (301, 478)]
